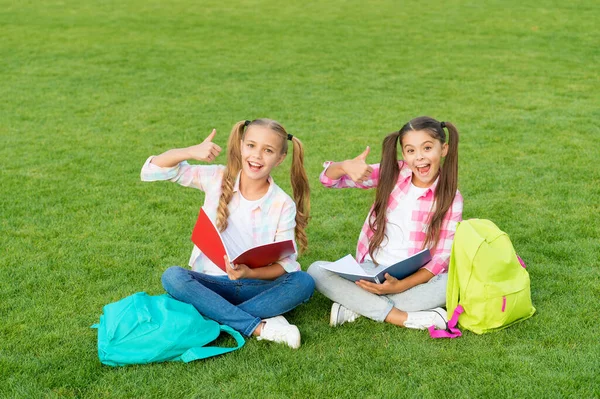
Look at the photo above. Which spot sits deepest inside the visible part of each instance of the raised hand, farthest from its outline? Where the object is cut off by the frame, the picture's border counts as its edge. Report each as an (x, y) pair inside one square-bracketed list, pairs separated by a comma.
[(358, 169), (206, 151)]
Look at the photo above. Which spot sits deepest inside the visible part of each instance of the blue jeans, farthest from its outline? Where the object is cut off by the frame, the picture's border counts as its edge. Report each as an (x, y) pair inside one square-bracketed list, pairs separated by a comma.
[(240, 304)]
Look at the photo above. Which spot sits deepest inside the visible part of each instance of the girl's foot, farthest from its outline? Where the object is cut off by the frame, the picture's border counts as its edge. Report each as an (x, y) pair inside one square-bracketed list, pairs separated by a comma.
[(341, 314), (277, 329), (423, 320)]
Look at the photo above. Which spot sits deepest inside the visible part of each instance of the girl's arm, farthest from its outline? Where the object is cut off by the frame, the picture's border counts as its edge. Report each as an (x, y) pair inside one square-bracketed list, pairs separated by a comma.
[(206, 151), (350, 173), (270, 272), (355, 168), (171, 165), (392, 285)]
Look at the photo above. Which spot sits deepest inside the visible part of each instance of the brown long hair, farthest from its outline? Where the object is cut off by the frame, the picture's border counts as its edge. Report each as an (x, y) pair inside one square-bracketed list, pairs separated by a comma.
[(298, 177), (388, 177)]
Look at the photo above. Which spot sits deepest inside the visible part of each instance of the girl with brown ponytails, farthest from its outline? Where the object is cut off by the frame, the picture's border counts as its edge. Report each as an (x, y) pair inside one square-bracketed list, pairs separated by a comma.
[(244, 201), (417, 205)]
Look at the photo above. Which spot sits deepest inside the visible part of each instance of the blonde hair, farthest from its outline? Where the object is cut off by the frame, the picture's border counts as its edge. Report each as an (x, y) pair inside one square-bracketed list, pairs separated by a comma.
[(298, 177)]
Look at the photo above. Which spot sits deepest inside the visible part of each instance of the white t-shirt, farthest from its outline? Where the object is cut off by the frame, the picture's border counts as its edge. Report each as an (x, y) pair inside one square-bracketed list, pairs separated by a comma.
[(396, 243), (237, 237)]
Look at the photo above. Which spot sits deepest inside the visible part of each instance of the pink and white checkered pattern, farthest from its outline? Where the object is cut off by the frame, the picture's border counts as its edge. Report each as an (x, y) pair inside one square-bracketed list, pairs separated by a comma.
[(273, 218), (441, 254)]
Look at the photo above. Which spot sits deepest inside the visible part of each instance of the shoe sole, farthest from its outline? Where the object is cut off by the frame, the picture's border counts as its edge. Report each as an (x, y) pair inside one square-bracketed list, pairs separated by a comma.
[(296, 344), (333, 316)]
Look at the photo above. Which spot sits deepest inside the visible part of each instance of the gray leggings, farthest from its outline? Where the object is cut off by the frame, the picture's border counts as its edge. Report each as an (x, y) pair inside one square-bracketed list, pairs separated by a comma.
[(421, 297)]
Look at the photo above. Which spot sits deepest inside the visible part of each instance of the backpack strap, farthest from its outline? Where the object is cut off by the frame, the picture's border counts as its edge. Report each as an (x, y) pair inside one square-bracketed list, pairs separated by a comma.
[(453, 286), (451, 331), (208, 351)]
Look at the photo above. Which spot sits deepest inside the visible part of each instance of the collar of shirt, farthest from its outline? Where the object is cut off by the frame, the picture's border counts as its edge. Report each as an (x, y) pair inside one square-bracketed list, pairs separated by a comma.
[(262, 203), (403, 185)]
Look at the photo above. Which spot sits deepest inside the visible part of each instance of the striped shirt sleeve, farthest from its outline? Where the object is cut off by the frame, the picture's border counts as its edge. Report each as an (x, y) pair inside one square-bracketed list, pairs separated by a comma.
[(346, 182), (196, 176)]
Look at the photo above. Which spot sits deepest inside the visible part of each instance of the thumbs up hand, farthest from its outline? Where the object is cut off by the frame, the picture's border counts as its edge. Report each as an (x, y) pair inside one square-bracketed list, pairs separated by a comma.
[(206, 151), (357, 168)]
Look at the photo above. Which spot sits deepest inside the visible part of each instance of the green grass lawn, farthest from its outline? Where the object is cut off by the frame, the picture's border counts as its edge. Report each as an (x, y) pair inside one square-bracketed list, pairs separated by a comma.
[(89, 89)]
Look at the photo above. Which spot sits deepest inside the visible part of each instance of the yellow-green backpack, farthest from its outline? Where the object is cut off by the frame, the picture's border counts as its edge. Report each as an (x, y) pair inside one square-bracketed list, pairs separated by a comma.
[(488, 286)]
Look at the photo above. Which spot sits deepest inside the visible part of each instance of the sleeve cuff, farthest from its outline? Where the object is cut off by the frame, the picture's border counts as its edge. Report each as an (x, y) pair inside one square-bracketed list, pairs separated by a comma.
[(152, 172), (326, 181), (289, 265), (436, 267)]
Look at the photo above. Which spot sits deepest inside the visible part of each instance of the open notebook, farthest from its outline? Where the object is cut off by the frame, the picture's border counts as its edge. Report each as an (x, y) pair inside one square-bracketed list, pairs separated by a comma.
[(207, 238), (350, 269)]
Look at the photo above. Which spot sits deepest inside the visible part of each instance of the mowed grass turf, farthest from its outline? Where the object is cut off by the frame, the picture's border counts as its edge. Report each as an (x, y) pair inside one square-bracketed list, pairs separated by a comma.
[(90, 89)]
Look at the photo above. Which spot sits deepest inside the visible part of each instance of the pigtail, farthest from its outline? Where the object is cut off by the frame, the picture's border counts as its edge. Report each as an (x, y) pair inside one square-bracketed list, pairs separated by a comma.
[(234, 164), (301, 193), (388, 176), (446, 188)]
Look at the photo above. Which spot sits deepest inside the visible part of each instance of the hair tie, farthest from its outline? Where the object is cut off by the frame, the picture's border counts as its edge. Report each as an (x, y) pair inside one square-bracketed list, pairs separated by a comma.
[(443, 124), (246, 123), (290, 137)]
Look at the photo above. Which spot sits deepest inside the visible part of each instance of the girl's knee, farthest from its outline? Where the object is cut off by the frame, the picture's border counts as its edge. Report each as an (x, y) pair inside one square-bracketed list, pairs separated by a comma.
[(303, 283), (172, 276), (315, 270)]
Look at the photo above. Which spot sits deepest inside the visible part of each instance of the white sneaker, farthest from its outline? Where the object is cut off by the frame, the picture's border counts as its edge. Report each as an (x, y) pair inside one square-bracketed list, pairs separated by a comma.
[(341, 314), (423, 320), (277, 329)]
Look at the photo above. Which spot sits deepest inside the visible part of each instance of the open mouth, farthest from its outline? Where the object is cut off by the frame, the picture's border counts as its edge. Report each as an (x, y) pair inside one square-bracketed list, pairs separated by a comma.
[(423, 169), (254, 167)]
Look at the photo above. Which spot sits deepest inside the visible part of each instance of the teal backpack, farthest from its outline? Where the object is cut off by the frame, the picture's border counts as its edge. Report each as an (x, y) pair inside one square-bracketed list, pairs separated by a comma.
[(488, 286), (142, 329)]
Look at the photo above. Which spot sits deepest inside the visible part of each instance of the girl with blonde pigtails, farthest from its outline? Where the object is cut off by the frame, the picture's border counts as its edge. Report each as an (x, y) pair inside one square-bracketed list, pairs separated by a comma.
[(244, 201)]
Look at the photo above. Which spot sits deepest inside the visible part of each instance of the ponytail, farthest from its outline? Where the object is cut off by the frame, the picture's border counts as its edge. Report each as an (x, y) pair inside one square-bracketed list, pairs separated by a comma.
[(388, 176), (234, 165), (446, 188), (301, 193)]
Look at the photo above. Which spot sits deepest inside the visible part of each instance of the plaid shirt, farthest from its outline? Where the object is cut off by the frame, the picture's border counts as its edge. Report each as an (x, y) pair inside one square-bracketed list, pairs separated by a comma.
[(420, 216), (273, 217)]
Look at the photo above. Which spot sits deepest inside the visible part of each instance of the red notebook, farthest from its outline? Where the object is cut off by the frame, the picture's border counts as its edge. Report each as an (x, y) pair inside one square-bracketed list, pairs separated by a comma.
[(207, 238)]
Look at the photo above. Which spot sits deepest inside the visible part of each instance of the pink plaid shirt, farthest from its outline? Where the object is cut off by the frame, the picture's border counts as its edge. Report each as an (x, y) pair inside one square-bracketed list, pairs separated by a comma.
[(441, 254), (273, 218)]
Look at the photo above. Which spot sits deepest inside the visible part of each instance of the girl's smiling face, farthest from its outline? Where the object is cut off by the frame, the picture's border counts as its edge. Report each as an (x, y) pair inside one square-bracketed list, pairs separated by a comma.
[(261, 152), (423, 154)]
